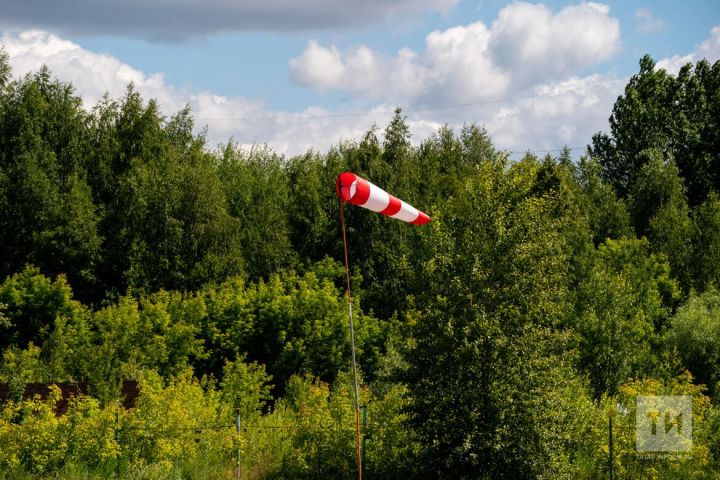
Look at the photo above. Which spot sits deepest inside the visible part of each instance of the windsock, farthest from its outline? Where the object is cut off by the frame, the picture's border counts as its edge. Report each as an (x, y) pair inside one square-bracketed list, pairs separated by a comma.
[(358, 191)]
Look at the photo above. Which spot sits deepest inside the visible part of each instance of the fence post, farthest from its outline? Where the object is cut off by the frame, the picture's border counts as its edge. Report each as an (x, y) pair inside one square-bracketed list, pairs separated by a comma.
[(238, 470), (116, 436), (610, 445)]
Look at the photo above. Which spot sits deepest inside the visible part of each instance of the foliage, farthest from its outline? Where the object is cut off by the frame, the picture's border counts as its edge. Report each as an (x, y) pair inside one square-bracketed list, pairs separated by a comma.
[(494, 393), (245, 387), (624, 303), (677, 115), (494, 342), (695, 334), (631, 464)]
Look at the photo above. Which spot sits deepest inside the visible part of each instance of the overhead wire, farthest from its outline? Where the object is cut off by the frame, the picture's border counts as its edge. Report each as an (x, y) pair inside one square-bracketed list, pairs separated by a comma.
[(306, 117), (409, 111)]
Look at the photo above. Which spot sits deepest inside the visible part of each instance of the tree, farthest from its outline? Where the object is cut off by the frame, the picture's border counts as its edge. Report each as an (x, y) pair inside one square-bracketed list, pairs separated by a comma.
[(397, 139), (623, 306), (5, 69), (30, 304), (258, 198), (491, 348), (677, 115), (607, 214), (179, 232), (695, 334), (49, 217), (245, 387), (705, 257), (130, 337), (660, 211), (44, 329), (314, 222)]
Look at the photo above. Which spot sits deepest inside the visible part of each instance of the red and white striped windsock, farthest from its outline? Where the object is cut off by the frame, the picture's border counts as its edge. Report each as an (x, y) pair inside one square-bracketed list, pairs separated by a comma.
[(358, 191)]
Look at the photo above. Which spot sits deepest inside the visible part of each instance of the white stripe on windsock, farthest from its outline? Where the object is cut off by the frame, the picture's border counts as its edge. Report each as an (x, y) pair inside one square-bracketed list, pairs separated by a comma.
[(407, 213), (378, 199)]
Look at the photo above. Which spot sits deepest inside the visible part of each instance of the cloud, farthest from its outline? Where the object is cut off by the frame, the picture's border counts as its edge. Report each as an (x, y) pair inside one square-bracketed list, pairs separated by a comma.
[(566, 112), (546, 115), (531, 39), (709, 49), (185, 18), (92, 74), (556, 113), (525, 45), (647, 22), (247, 121)]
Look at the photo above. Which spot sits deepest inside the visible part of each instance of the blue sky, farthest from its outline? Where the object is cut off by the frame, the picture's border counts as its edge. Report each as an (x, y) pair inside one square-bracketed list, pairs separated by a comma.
[(319, 59)]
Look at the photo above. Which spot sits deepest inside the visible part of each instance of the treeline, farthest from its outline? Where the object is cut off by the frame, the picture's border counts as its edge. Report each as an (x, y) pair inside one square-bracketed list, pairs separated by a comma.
[(495, 342)]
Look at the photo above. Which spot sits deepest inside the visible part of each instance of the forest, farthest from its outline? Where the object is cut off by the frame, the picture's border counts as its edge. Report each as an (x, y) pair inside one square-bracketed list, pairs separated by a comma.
[(501, 340)]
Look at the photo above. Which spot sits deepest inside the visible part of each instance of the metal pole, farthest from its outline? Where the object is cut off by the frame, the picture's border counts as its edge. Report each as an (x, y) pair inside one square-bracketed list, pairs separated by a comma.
[(352, 344), (364, 431), (238, 470)]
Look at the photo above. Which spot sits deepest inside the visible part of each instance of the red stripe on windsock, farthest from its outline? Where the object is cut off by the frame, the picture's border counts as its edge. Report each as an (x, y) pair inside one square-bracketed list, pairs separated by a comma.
[(393, 207), (352, 189), (422, 219), (362, 193)]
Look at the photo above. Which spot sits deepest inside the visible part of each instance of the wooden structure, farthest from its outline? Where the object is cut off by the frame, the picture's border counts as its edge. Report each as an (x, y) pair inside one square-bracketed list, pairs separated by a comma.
[(129, 394)]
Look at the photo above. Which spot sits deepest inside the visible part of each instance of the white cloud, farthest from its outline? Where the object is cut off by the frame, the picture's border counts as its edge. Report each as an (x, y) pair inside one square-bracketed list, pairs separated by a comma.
[(548, 114), (247, 121), (708, 49), (530, 39), (185, 18), (566, 112), (325, 68), (525, 45), (91, 73), (647, 22)]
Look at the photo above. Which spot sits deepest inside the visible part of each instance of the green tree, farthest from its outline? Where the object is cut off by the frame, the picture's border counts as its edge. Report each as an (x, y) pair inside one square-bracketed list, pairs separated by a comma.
[(133, 336), (491, 347), (607, 214), (245, 387), (48, 218), (180, 234), (314, 215), (659, 211), (255, 185), (695, 334), (31, 303), (623, 306), (5, 69), (677, 115), (705, 256)]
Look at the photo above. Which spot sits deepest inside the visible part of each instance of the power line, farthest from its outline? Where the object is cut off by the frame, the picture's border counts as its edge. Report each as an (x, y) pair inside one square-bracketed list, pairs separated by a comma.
[(302, 117), (548, 150)]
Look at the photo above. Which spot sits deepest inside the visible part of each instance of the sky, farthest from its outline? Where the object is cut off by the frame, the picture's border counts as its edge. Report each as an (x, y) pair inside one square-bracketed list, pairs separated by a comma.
[(308, 75)]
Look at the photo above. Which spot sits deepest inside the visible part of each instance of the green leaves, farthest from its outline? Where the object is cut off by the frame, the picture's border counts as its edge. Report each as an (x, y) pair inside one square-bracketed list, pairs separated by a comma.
[(258, 198), (677, 115), (245, 387), (493, 341), (30, 303), (490, 371), (623, 306), (706, 240), (694, 333)]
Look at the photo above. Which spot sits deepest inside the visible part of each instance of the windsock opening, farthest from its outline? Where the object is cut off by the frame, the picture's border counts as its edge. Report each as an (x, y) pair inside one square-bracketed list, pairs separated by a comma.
[(346, 186)]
